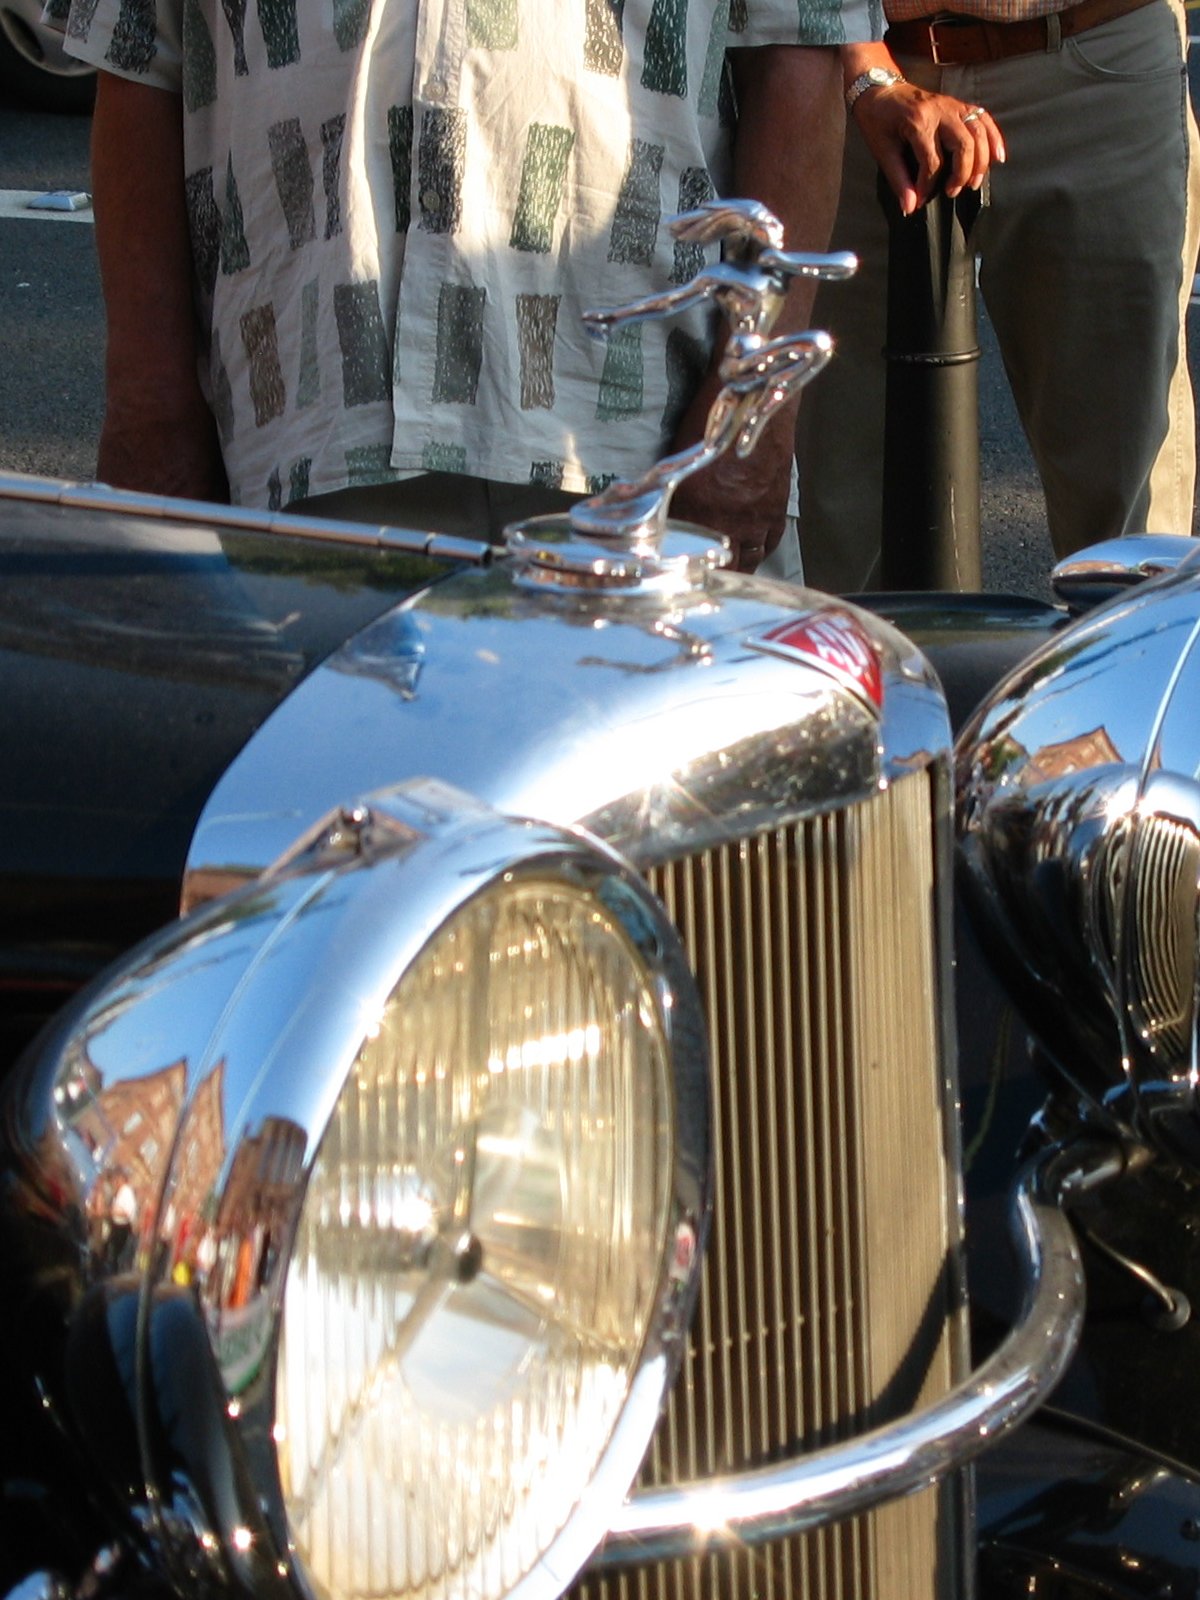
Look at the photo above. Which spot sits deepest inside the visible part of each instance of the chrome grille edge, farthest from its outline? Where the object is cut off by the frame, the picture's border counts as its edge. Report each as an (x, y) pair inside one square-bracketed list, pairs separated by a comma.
[(828, 1296)]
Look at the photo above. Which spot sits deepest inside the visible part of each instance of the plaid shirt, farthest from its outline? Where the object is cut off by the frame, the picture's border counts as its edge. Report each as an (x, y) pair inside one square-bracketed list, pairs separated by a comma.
[(991, 10)]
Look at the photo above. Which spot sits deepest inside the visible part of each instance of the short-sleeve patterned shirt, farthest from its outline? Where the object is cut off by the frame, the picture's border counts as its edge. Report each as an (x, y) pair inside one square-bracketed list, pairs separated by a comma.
[(398, 209)]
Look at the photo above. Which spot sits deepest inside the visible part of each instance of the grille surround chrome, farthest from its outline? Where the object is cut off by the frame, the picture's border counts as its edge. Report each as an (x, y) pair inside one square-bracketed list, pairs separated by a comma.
[(816, 1298)]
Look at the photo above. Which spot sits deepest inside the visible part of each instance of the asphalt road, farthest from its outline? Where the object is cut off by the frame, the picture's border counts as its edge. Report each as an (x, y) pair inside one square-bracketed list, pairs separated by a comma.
[(51, 355), (51, 323)]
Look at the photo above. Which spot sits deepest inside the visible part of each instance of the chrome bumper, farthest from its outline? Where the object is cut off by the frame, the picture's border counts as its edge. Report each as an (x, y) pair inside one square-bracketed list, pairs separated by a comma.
[(900, 1457)]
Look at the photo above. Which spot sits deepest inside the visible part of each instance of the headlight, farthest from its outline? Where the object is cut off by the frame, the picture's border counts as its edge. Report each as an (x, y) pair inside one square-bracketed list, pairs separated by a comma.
[(433, 1203), (479, 1253)]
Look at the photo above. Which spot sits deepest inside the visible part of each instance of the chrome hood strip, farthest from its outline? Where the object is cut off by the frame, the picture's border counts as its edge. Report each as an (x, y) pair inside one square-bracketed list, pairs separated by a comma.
[(901, 1457), (244, 519)]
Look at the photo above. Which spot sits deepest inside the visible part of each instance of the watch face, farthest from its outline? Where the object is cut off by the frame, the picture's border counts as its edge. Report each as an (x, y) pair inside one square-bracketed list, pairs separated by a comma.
[(872, 78)]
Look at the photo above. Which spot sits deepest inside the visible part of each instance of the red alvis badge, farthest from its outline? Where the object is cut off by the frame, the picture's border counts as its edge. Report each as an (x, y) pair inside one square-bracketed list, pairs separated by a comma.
[(834, 641)]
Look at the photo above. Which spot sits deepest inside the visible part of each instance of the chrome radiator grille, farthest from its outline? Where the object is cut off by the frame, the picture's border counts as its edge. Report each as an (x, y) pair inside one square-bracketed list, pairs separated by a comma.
[(825, 1304)]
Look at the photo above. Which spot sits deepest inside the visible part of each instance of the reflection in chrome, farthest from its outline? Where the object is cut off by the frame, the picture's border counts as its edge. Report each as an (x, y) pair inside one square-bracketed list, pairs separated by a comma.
[(903, 1456), (423, 1124), (1103, 571), (1079, 808)]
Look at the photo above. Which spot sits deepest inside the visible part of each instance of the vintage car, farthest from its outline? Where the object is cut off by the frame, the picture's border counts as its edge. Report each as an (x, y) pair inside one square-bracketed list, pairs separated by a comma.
[(493, 1060)]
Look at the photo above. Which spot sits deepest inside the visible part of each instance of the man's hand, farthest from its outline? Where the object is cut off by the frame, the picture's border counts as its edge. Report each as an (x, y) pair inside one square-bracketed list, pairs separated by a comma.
[(917, 136), (745, 499)]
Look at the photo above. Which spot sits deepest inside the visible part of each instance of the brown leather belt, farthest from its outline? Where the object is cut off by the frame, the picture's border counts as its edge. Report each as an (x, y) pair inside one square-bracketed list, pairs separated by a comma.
[(950, 40)]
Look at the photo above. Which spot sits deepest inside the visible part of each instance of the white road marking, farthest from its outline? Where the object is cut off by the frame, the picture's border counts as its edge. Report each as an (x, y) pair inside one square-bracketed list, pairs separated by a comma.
[(14, 206)]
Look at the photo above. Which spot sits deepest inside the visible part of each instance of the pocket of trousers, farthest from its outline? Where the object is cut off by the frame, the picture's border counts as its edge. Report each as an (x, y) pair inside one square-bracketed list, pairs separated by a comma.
[(1141, 47)]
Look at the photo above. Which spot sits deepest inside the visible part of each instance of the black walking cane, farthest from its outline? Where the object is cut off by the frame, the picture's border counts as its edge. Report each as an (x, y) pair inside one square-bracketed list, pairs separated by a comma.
[(931, 437)]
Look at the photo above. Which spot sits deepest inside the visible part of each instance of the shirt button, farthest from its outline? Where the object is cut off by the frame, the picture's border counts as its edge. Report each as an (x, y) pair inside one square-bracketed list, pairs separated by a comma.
[(431, 200), (435, 91)]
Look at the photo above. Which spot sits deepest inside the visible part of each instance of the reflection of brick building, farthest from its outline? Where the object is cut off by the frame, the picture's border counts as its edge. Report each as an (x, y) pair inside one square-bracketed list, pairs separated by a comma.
[(133, 1123), (1085, 750), (199, 1164), (131, 1127), (266, 1171), (257, 1207)]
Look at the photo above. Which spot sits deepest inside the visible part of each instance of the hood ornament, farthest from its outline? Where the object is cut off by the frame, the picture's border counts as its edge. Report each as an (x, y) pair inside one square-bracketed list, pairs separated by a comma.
[(619, 538)]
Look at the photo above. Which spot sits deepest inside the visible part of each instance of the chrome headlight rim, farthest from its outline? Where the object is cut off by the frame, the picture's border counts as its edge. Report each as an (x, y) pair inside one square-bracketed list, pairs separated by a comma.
[(449, 851)]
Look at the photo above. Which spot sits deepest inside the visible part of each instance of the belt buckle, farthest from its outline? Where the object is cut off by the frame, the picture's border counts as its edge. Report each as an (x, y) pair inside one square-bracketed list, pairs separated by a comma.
[(948, 23), (934, 52)]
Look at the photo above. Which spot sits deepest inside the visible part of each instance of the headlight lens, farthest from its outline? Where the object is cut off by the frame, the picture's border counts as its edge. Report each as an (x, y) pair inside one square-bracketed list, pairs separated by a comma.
[(478, 1254)]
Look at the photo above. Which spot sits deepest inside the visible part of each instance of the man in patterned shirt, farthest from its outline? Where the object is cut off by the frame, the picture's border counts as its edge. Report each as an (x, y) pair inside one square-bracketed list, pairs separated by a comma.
[(344, 244), (1087, 250)]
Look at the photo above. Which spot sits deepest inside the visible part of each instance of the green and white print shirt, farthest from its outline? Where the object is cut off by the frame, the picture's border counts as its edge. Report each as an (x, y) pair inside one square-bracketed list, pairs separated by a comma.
[(399, 207)]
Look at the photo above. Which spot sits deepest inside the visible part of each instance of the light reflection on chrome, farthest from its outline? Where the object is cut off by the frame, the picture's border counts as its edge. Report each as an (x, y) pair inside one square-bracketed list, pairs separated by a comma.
[(847, 1478), (1103, 572), (624, 736)]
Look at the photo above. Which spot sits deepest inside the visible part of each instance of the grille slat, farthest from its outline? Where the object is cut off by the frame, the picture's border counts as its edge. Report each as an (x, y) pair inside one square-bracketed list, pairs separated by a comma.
[(825, 1301)]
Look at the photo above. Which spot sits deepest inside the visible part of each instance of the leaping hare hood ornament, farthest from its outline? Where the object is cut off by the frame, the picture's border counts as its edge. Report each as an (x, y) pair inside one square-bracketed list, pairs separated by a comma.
[(759, 374)]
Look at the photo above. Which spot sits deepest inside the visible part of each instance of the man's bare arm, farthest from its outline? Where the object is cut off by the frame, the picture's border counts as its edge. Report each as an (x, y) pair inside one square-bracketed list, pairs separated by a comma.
[(158, 434), (788, 154)]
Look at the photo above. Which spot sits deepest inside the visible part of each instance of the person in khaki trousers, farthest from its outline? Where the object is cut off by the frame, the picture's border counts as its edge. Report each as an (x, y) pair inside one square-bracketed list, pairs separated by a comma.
[(1087, 250)]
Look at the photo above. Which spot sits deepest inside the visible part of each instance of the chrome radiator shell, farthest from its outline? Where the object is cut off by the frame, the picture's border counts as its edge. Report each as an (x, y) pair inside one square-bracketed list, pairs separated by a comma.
[(798, 833), (663, 727)]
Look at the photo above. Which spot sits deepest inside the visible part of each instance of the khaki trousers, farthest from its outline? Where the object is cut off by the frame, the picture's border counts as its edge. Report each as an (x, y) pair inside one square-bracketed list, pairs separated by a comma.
[(1087, 251)]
